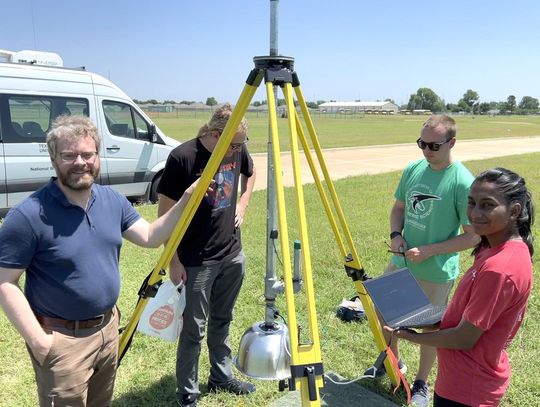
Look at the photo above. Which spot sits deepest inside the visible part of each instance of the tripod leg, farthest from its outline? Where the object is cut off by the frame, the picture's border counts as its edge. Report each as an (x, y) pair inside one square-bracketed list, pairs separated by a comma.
[(306, 366), (255, 78), (352, 259), (302, 221), (319, 186)]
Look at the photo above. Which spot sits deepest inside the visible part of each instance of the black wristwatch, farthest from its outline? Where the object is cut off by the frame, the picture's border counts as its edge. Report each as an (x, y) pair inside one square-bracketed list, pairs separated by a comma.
[(394, 234)]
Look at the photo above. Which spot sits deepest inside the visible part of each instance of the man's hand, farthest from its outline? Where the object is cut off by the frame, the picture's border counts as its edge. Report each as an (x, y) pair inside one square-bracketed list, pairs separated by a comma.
[(189, 191), (418, 254), (239, 216), (41, 349), (399, 245), (177, 271)]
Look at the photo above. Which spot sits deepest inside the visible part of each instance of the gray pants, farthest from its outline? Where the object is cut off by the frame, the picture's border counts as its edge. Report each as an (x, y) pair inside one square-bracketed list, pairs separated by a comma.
[(211, 293)]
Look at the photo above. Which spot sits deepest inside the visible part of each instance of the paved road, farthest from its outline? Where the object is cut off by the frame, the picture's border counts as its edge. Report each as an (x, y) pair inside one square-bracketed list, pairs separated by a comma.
[(345, 162)]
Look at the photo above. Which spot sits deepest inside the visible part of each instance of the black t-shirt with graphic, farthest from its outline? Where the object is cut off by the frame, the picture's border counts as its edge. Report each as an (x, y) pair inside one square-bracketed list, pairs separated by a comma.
[(211, 237)]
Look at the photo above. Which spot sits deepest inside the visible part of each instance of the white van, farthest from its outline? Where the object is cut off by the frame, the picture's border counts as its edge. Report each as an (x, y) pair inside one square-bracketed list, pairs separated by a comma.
[(133, 149)]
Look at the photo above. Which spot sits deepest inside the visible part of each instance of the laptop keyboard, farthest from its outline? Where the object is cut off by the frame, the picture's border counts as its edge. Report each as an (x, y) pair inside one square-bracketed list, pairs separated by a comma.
[(423, 317)]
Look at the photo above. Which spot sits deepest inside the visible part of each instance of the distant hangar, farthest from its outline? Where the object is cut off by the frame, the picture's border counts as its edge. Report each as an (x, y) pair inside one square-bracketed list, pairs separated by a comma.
[(359, 107)]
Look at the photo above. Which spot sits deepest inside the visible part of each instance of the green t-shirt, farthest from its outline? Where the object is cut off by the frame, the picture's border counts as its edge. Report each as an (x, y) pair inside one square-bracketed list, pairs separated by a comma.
[(435, 207)]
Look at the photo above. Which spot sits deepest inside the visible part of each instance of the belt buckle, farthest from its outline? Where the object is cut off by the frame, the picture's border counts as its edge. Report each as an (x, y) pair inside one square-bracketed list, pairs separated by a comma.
[(101, 319)]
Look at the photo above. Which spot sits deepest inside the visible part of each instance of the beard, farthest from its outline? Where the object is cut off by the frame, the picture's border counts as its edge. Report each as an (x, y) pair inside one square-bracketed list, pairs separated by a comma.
[(73, 178)]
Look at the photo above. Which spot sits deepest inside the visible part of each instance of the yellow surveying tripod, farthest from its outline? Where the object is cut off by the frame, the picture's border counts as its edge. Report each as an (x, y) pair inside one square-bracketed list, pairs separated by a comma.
[(306, 366)]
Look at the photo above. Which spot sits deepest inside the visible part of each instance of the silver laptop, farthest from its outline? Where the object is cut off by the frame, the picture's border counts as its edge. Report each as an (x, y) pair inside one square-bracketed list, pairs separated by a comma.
[(401, 302)]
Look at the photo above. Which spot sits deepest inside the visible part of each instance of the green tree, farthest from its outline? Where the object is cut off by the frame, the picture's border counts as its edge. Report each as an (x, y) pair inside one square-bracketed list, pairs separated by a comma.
[(211, 101), (471, 100), (462, 106), (452, 107), (426, 99), (312, 105), (483, 108), (528, 104), (169, 102), (511, 103)]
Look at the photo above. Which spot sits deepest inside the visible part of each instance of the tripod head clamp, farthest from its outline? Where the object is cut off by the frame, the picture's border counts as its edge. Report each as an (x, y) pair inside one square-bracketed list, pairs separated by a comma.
[(278, 69)]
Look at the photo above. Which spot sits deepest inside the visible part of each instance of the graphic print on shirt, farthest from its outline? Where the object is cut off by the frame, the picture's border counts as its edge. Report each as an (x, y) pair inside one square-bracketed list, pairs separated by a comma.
[(420, 202), (222, 192)]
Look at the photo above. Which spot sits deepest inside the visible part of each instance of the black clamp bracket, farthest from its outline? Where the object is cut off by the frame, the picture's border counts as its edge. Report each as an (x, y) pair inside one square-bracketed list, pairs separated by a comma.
[(309, 371), (354, 273), (148, 291)]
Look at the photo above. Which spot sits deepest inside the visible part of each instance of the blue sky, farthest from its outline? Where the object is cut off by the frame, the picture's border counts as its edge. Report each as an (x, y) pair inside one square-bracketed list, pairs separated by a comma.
[(344, 50)]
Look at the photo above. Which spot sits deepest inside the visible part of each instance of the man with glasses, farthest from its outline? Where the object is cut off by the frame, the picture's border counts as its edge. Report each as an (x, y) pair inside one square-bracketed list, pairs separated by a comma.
[(209, 258), (430, 207), (67, 238)]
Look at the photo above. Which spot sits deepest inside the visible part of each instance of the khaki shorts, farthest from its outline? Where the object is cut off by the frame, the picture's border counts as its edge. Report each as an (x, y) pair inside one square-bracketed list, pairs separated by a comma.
[(438, 293)]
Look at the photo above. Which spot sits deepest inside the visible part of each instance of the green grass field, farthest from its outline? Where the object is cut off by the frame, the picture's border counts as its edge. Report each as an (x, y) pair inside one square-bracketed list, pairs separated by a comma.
[(349, 131), (146, 377)]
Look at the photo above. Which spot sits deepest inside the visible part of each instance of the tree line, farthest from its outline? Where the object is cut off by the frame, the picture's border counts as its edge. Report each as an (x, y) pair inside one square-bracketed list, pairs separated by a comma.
[(423, 99), (427, 99), (210, 101)]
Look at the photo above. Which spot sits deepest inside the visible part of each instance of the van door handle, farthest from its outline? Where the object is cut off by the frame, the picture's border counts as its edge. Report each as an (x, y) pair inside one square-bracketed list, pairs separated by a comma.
[(113, 149)]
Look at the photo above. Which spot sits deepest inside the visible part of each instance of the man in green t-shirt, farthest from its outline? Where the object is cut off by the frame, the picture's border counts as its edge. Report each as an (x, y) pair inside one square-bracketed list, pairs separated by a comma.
[(425, 221)]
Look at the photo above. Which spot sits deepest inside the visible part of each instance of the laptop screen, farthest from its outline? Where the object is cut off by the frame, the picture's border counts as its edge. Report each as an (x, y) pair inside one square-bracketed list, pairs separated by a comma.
[(396, 294)]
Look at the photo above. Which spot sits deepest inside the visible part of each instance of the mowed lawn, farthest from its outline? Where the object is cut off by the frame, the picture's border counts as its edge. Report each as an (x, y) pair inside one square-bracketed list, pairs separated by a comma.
[(146, 377), (353, 130)]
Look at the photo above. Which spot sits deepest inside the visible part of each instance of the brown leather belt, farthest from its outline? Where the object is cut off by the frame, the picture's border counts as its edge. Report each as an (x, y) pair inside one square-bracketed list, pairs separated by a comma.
[(81, 324)]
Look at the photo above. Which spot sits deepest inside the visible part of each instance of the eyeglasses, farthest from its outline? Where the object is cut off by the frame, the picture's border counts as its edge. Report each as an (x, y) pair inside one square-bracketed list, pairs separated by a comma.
[(432, 146), (87, 156), (393, 252), (236, 146)]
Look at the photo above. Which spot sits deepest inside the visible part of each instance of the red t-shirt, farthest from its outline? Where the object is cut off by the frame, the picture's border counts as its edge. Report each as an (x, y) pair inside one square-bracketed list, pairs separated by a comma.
[(492, 295)]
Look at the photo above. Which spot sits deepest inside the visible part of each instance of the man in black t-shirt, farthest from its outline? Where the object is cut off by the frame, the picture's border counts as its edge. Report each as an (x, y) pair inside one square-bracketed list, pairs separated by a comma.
[(209, 259)]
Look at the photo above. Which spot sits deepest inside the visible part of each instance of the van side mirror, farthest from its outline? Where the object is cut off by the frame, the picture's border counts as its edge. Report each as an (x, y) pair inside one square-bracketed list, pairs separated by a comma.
[(153, 134)]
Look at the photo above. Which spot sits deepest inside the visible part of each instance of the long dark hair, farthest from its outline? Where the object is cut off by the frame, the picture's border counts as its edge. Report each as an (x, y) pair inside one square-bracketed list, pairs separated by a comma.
[(513, 188)]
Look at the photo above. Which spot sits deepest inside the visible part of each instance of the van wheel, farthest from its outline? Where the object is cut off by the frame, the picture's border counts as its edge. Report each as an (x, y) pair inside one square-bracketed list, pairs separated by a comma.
[(153, 198)]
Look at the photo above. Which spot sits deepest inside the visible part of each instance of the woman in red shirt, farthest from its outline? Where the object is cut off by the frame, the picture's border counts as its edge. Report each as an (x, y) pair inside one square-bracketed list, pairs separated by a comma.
[(490, 301)]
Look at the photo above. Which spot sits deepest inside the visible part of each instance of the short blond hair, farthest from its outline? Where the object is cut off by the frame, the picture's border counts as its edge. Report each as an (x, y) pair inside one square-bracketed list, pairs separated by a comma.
[(219, 120), (444, 121), (71, 128)]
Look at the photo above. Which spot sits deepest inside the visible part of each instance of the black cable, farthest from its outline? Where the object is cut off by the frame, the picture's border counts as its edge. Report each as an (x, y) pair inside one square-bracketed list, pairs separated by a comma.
[(276, 252)]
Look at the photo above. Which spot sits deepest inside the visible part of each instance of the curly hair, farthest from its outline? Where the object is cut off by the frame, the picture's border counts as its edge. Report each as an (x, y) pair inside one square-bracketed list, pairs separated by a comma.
[(71, 128), (219, 120)]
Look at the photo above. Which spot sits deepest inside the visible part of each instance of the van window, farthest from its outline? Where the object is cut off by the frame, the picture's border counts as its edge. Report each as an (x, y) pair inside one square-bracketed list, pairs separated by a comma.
[(30, 117), (124, 121)]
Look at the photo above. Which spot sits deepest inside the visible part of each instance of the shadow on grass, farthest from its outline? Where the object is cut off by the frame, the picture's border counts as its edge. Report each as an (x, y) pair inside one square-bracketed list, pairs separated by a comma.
[(385, 390), (161, 393), (343, 393)]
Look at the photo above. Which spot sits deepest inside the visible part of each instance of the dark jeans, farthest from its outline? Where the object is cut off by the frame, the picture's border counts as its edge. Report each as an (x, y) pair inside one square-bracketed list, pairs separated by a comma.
[(439, 401), (211, 292)]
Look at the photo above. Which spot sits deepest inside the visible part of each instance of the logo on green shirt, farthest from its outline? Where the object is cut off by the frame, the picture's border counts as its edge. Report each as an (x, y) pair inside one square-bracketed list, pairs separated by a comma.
[(417, 200)]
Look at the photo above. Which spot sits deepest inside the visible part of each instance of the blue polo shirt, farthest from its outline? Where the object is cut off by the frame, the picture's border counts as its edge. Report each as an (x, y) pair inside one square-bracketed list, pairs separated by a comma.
[(71, 256)]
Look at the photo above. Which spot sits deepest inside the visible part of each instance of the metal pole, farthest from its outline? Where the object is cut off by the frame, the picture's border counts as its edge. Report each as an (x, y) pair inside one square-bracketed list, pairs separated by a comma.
[(272, 286), (274, 18)]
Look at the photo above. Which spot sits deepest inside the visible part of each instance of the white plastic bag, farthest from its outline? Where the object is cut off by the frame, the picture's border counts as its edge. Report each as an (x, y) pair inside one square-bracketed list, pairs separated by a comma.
[(162, 316)]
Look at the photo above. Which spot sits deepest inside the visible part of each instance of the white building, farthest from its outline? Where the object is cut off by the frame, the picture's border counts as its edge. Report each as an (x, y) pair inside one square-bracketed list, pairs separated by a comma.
[(359, 107)]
